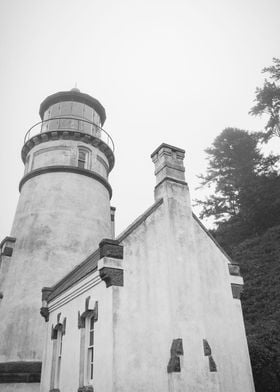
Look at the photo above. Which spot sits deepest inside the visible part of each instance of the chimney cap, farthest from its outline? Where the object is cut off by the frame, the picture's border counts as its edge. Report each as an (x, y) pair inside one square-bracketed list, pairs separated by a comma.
[(165, 145)]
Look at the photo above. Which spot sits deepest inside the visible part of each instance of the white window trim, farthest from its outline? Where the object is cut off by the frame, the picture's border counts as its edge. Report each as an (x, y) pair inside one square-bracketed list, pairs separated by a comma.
[(88, 348), (87, 153)]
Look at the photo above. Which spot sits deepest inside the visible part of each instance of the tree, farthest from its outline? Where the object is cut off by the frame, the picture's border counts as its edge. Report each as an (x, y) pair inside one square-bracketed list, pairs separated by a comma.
[(234, 160), (244, 184), (268, 100)]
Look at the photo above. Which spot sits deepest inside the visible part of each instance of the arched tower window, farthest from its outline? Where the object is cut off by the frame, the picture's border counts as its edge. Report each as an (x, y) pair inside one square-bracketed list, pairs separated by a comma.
[(83, 158)]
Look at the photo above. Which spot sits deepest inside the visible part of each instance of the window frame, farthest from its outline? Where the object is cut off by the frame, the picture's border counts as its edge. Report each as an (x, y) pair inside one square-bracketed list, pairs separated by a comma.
[(58, 359), (89, 352), (86, 379), (57, 333), (85, 160)]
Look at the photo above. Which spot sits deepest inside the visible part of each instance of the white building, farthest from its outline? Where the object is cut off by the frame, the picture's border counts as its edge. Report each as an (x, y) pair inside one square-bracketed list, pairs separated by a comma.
[(155, 309)]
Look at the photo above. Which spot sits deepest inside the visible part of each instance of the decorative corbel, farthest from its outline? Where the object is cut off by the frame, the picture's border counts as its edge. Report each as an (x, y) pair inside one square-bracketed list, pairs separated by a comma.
[(112, 276), (237, 290), (110, 248), (234, 269), (44, 312)]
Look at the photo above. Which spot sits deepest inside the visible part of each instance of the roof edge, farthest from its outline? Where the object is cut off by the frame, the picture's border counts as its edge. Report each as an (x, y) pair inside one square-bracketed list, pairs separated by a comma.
[(212, 238), (139, 220)]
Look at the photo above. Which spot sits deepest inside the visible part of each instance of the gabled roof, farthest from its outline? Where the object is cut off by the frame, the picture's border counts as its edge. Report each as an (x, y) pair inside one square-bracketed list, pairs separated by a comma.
[(83, 269), (139, 220), (211, 237), (89, 265)]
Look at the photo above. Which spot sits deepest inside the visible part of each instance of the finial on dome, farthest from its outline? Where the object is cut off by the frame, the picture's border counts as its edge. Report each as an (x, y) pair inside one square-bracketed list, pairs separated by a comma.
[(75, 88)]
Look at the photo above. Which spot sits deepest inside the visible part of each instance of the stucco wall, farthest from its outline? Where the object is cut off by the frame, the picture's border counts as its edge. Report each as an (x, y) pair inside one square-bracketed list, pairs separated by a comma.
[(103, 346), (65, 152), (222, 317), (60, 219), (176, 285)]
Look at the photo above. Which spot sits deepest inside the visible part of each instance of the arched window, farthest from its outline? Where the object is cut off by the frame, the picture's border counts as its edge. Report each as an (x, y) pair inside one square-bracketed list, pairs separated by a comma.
[(86, 323), (90, 348), (58, 358), (83, 158), (57, 336)]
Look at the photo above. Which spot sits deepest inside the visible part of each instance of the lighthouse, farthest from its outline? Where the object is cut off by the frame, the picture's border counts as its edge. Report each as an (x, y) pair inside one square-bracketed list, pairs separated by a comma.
[(156, 308), (63, 213)]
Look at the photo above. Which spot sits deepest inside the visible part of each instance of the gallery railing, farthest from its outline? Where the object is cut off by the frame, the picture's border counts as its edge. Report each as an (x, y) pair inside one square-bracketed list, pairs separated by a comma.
[(73, 124)]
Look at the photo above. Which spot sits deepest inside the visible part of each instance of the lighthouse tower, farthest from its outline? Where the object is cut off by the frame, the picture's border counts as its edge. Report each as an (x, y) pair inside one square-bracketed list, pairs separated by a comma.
[(62, 214)]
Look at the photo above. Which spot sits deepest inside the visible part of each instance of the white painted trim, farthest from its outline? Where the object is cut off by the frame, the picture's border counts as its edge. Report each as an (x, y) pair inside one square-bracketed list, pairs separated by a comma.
[(74, 291)]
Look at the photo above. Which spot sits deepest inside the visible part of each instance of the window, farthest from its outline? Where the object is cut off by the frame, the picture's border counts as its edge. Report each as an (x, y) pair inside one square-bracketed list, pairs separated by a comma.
[(90, 350), (58, 358), (86, 324), (27, 164), (57, 336), (83, 158)]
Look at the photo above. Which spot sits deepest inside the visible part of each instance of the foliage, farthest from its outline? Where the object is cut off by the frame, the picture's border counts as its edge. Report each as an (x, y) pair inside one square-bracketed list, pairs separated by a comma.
[(268, 100), (259, 260), (245, 203), (243, 184)]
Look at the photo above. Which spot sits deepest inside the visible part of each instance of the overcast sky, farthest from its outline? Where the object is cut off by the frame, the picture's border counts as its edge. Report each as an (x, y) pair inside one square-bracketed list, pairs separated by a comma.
[(174, 71)]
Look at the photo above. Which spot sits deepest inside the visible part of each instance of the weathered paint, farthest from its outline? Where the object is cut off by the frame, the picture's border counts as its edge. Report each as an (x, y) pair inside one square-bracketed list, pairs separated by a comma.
[(65, 152), (60, 219), (94, 287), (176, 286)]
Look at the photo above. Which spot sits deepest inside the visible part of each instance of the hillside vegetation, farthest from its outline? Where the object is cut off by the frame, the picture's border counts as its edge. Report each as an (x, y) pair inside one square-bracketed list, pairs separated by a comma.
[(259, 260)]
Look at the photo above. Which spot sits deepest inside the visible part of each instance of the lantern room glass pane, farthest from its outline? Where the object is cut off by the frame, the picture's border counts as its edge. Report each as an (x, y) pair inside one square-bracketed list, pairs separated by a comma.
[(66, 108), (87, 128), (96, 118), (77, 109), (88, 113), (53, 125), (55, 110)]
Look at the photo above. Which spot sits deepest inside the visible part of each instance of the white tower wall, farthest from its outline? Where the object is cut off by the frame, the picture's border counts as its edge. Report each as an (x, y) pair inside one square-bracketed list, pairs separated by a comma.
[(62, 214)]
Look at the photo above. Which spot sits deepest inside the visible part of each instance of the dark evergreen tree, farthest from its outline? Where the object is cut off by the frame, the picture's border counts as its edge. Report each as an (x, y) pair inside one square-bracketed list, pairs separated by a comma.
[(268, 100), (244, 185)]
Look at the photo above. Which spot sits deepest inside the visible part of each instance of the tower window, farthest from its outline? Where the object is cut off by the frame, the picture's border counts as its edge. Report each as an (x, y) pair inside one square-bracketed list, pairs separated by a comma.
[(83, 158)]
